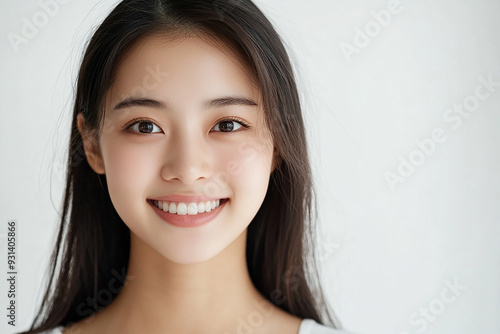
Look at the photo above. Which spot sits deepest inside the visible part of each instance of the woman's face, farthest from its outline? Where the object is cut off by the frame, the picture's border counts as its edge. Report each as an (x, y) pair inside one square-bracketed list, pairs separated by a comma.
[(184, 124)]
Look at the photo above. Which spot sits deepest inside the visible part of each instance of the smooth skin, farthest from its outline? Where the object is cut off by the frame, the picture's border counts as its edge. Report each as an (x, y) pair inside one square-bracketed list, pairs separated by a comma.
[(185, 280)]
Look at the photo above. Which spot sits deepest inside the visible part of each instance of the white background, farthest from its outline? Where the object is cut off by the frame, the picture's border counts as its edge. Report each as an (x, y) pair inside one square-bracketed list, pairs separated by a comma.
[(388, 253)]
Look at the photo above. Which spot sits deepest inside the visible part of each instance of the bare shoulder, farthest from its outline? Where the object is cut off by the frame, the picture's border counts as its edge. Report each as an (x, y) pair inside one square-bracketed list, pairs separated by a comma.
[(78, 327), (85, 326), (283, 322), (279, 322)]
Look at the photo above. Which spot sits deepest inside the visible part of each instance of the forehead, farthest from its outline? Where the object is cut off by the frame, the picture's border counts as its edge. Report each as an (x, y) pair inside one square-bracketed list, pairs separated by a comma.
[(180, 66)]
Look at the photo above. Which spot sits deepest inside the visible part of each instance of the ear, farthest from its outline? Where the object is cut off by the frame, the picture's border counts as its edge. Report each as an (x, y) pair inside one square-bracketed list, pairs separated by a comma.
[(91, 147)]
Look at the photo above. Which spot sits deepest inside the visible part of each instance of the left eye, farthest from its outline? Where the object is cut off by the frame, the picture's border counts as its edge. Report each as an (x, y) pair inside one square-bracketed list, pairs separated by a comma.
[(227, 126), (145, 127)]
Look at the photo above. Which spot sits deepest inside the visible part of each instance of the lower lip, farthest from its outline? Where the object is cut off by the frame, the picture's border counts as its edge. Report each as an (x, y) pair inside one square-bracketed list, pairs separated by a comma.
[(188, 220)]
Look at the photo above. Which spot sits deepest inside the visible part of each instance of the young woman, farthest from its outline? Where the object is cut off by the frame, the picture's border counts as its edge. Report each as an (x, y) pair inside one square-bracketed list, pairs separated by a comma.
[(188, 202)]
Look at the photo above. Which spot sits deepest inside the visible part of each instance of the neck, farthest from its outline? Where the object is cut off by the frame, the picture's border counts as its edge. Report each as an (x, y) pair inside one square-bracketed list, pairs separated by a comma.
[(163, 296)]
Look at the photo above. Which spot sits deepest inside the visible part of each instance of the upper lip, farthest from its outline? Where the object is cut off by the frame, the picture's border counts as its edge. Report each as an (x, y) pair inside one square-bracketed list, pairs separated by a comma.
[(186, 198)]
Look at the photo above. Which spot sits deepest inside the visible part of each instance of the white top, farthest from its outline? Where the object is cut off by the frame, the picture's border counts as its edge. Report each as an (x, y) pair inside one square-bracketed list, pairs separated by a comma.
[(307, 326)]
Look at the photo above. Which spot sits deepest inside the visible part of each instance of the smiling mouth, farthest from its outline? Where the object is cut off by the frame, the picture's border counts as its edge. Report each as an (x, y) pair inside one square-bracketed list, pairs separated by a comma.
[(192, 208)]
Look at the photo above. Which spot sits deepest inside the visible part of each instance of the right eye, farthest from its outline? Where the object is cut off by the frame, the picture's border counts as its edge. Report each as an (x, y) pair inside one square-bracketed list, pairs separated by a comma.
[(144, 127)]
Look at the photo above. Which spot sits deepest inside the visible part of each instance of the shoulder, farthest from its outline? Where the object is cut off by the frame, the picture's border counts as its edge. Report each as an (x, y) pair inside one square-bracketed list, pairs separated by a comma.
[(57, 330), (309, 326)]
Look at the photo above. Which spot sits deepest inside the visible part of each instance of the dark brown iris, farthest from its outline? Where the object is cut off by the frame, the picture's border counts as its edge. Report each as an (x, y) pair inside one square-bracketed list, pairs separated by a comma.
[(226, 126), (146, 127)]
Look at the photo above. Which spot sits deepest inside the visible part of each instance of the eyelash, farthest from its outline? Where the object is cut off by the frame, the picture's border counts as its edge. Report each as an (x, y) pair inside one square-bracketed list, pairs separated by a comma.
[(236, 119)]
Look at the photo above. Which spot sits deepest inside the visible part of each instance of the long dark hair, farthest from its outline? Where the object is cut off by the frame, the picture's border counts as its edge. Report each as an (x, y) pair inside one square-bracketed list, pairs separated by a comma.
[(89, 254)]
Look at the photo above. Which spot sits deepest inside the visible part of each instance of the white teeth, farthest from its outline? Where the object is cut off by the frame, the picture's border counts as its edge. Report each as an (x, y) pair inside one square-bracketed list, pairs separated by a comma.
[(187, 208), (201, 207), (192, 209), (172, 208), (182, 209)]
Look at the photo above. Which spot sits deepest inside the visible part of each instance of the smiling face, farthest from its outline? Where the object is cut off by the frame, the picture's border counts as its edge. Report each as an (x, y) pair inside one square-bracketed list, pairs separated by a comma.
[(184, 133)]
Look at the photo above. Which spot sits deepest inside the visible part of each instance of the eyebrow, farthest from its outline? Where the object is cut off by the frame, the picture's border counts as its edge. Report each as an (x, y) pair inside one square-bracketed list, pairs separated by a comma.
[(209, 104), (229, 101), (140, 102)]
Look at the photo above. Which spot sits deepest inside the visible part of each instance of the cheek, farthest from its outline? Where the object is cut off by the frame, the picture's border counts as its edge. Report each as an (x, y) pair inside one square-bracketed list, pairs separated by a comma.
[(129, 169), (249, 168)]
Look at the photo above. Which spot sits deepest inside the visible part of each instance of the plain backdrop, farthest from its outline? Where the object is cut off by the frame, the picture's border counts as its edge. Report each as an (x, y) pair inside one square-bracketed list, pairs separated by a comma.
[(408, 185)]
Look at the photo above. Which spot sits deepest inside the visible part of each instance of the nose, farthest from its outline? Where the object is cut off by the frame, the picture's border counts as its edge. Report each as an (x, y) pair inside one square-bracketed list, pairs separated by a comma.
[(188, 158)]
